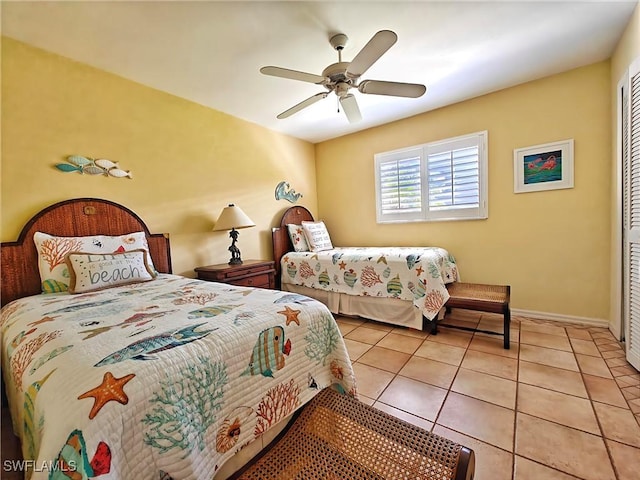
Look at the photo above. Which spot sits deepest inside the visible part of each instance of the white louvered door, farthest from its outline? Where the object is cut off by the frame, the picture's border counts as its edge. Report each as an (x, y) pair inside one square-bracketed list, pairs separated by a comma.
[(631, 214)]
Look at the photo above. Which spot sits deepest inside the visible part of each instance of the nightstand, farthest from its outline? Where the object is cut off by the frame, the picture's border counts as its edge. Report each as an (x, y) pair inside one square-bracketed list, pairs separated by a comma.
[(252, 273)]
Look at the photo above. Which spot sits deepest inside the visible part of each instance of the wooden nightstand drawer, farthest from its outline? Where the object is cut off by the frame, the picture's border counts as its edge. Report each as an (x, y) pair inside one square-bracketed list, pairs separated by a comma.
[(251, 273), (258, 281)]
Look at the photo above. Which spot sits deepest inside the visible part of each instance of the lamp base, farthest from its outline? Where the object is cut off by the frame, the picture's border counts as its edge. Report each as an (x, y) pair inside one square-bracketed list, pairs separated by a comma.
[(235, 261)]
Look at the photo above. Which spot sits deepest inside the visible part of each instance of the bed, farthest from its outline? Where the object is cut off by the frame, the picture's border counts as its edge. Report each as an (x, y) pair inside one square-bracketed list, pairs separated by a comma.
[(404, 286), (167, 377)]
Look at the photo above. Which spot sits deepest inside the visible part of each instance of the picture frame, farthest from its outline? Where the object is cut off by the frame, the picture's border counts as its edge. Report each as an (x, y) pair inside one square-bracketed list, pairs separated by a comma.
[(543, 167)]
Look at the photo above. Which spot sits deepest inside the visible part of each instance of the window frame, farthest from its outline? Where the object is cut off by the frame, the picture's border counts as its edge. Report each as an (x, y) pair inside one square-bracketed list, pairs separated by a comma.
[(427, 213)]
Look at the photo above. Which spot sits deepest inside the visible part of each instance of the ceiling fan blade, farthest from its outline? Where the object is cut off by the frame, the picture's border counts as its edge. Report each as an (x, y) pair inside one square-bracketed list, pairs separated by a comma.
[(350, 107), (305, 103), (396, 89), (372, 51), (292, 74)]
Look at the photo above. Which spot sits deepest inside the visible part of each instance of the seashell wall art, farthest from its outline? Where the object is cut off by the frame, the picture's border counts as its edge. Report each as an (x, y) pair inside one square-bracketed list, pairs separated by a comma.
[(100, 166)]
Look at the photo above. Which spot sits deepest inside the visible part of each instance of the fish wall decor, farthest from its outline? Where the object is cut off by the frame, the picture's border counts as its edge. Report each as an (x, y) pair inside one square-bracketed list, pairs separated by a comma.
[(100, 166), (284, 193)]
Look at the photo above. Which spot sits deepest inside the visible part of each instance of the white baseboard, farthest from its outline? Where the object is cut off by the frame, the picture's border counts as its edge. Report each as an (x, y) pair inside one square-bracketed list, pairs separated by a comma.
[(594, 322)]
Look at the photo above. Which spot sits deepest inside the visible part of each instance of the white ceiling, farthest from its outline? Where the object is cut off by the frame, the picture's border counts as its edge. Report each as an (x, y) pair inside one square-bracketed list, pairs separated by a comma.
[(210, 52)]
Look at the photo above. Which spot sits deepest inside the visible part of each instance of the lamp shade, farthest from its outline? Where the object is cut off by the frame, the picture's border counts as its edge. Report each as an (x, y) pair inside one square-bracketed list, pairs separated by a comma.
[(233, 217)]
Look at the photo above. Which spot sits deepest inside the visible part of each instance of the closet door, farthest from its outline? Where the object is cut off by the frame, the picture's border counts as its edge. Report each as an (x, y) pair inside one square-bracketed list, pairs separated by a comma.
[(631, 214)]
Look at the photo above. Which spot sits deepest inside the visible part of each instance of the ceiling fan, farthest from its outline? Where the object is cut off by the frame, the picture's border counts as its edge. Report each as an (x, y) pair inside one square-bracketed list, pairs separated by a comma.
[(342, 76)]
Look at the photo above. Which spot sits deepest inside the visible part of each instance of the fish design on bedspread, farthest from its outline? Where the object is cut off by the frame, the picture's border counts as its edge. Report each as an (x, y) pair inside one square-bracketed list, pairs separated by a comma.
[(144, 349), (268, 352), (73, 460)]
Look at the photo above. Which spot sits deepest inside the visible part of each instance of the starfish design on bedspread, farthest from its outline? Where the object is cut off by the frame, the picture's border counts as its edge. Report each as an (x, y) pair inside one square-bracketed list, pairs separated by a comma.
[(111, 388), (291, 314)]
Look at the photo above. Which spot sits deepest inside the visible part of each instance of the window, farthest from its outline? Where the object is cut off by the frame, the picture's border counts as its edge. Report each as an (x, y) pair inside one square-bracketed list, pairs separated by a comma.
[(443, 180)]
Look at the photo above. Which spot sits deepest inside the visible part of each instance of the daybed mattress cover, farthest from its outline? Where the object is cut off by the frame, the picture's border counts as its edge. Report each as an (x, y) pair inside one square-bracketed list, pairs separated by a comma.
[(164, 379), (418, 274)]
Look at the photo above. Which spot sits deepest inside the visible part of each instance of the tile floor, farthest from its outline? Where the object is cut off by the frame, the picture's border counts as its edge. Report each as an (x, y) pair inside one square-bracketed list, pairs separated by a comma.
[(562, 403)]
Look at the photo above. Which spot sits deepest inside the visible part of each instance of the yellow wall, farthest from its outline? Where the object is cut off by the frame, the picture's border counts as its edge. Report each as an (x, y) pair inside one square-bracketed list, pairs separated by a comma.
[(188, 161), (552, 247)]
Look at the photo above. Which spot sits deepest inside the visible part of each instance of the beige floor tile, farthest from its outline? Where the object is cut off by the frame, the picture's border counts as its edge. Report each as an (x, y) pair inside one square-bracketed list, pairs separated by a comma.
[(452, 337), (604, 390), (365, 399), (414, 397), (525, 469), (543, 328), (623, 370), (429, 371), (441, 352), (407, 417), (553, 378), (545, 340), (608, 347), (345, 327), (495, 345), (364, 334), (469, 315), (618, 424), (549, 356), (578, 333), (492, 463), (626, 459), (617, 353), (486, 387), (491, 364), (410, 332), (384, 359), (566, 449), (585, 347), (616, 362), (385, 327), (574, 412), (630, 393), (593, 366), (370, 381), (357, 321), (401, 343), (482, 420), (356, 349)]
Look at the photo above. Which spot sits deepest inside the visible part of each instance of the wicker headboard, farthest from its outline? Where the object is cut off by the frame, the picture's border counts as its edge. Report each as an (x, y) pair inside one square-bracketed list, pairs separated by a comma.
[(71, 218), (280, 236)]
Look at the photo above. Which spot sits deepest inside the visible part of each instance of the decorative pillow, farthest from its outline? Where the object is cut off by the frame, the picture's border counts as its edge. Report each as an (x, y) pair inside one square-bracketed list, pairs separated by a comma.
[(297, 238), (95, 271), (54, 273), (317, 236)]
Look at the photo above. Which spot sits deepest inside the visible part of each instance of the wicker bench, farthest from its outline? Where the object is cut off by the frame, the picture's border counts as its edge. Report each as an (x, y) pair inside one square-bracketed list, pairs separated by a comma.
[(479, 297), (338, 437)]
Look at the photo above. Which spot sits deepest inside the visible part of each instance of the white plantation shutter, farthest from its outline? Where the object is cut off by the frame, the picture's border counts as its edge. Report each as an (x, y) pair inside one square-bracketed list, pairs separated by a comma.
[(631, 213), (400, 185), (444, 180)]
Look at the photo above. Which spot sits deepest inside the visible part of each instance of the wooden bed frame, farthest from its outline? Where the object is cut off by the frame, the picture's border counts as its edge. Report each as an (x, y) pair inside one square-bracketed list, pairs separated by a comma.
[(71, 218), (280, 235)]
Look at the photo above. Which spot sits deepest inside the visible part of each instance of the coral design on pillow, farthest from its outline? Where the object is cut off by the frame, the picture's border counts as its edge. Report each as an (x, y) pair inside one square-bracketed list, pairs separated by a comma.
[(54, 249)]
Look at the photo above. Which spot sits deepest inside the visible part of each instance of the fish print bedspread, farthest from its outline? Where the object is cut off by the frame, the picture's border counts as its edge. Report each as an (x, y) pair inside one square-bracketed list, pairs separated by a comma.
[(164, 379), (418, 274)]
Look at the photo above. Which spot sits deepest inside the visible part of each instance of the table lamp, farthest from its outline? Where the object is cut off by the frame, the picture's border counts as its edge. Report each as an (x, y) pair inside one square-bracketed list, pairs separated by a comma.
[(232, 217)]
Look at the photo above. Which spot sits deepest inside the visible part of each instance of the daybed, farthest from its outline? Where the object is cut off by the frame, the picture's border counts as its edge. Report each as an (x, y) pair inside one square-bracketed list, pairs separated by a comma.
[(165, 378), (399, 285)]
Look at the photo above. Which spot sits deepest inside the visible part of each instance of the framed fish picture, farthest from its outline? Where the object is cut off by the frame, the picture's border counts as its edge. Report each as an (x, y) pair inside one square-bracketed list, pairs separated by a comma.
[(543, 167)]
